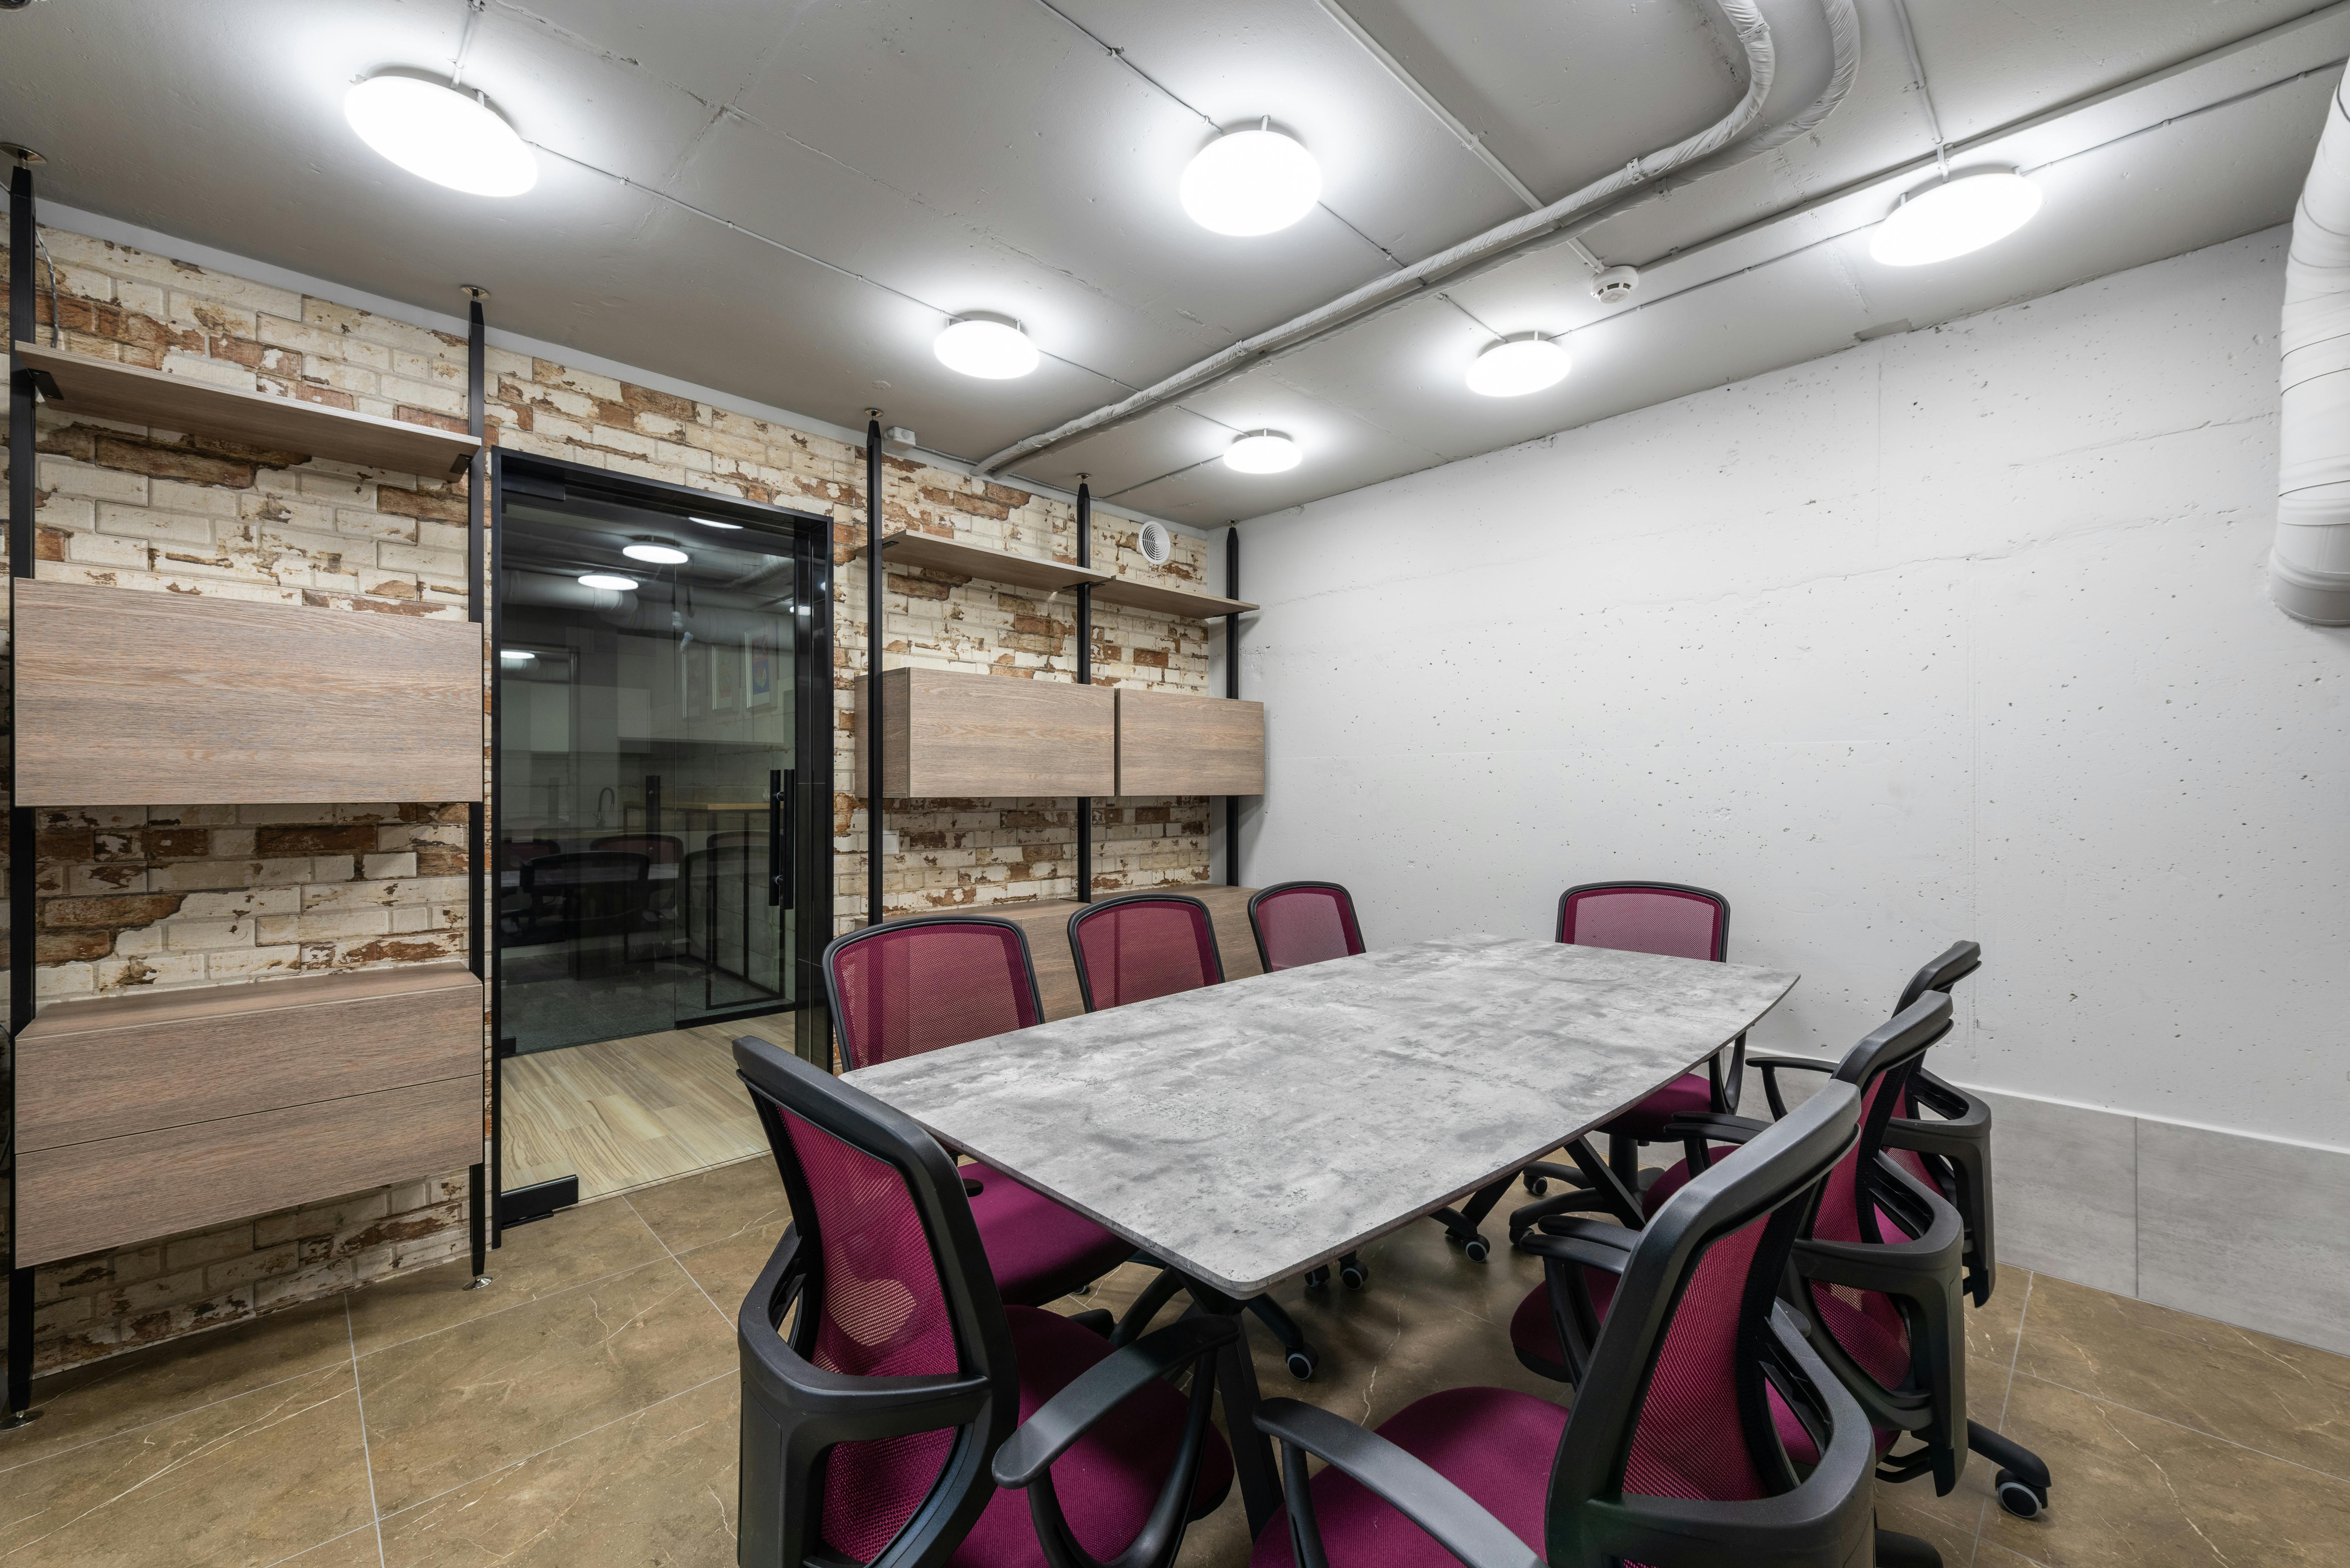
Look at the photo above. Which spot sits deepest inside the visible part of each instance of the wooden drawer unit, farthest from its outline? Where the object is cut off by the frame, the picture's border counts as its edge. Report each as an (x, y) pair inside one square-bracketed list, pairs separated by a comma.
[(141, 1115), (1169, 742), (132, 697), (946, 734)]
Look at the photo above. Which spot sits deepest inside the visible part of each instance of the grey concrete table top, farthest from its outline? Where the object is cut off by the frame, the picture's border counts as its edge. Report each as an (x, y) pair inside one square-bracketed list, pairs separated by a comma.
[(1249, 1131)]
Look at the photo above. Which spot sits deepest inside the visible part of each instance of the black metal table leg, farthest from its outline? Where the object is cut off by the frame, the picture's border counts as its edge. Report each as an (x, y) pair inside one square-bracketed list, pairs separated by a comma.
[(1236, 1383)]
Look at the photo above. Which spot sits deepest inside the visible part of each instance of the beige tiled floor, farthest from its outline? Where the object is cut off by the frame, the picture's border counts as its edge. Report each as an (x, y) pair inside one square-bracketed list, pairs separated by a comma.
[(581, 1412)]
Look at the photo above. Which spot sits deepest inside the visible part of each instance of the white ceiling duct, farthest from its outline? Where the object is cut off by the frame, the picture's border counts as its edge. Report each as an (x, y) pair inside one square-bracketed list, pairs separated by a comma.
[(2309, 570), (1471, 256)]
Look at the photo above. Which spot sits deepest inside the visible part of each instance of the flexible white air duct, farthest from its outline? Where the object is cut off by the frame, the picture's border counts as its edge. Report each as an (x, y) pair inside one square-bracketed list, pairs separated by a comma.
[(1754, 33), (2309, 570)]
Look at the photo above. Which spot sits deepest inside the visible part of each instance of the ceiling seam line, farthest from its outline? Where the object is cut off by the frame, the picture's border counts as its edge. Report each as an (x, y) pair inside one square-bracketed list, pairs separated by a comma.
[(804, 256), (1918, 80), (1171, 474)]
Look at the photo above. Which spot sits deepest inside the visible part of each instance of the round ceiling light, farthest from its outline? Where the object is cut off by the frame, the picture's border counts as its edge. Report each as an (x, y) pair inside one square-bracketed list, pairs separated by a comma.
[(609, 582), (1262, 452), (660, 552), (1251, 182), (1962, 213), (1522, 363), (713, 522), (986, 346), (448, 137)]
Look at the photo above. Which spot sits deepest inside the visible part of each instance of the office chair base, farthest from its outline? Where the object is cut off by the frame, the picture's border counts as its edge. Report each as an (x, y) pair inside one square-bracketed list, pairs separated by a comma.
[(2022, 1482), (1299, 1357), (1352, 1273)]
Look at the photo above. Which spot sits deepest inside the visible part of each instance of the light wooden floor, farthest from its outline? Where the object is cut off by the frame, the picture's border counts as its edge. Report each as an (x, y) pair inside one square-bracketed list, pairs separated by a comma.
[(621, 1114)]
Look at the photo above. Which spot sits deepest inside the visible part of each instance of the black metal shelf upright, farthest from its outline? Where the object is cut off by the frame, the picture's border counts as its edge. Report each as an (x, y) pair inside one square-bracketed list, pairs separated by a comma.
[(22, 239)]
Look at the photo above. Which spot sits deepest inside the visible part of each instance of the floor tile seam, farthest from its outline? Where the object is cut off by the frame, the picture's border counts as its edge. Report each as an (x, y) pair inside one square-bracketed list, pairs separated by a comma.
[(367, 1449), (540, 1453), (673, 1258), (174, 1416), (727, 1164), (499, 1312), (2187, 1426)]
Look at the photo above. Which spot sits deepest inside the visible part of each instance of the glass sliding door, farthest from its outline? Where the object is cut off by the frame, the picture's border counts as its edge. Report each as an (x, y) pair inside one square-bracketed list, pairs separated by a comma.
[(663, 816)]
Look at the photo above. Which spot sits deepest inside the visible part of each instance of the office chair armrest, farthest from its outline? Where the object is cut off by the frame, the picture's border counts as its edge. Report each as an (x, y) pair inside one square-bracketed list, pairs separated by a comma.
[(1101, 1388), (1578, 1248), (1714, 1127), (1451, 1517), (1771, 1065)]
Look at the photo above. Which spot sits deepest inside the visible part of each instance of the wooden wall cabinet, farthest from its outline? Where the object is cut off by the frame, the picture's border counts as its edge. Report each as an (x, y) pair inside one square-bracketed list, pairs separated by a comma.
[(1169, 742), (142, 1115), (132, 697), (946, 734)]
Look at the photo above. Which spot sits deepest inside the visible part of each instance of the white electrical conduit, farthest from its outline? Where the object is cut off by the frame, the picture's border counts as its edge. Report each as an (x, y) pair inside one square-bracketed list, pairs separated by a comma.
[(2309, 569), (1754, 36)]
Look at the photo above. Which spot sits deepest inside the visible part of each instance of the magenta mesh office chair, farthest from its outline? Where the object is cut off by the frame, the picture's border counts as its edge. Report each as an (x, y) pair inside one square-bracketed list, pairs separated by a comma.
[(909, 986), (1294, 924), (1298, 923), (1141, 945), (1134, 948), (1671, 1454), (869, 1423)]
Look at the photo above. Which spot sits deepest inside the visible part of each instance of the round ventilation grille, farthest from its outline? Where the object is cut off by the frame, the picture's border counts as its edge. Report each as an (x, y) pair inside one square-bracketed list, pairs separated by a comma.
[(1156, 544)]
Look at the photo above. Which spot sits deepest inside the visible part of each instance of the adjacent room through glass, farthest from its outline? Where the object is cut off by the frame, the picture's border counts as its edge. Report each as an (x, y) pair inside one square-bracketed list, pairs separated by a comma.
[(659, 671)]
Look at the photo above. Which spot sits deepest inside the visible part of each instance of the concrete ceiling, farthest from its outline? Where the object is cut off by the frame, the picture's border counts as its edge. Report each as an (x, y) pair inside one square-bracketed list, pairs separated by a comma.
[(878, 162)]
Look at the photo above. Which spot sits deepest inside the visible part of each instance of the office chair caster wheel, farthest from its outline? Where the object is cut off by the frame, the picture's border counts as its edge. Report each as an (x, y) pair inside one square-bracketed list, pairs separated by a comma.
[(2019, 1497), (1317, 1279), (1353, 1276), (1302, 1364), (1477, 1250), (1536, 1186)]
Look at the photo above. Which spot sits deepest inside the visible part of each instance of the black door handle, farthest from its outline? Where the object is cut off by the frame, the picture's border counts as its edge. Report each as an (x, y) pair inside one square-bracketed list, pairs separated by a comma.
[(780, 785)]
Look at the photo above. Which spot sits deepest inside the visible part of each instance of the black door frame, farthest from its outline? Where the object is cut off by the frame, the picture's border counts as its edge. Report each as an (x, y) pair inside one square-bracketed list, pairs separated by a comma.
[(812, 803)]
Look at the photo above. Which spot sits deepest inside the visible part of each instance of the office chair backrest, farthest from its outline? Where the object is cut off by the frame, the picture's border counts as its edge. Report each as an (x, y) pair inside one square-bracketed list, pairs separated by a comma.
[(914, 985), (1303, 922), (1142, 945), (1960, 961), (1675, 1406), (1646, 918), (891, 1282)]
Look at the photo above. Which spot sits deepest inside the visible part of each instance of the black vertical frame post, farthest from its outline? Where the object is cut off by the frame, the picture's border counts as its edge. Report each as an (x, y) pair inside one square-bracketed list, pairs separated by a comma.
[(811, 784), (493, 466), (477, 1202), (869, 717), (21, 326), (1233, 688), (1085, 815)]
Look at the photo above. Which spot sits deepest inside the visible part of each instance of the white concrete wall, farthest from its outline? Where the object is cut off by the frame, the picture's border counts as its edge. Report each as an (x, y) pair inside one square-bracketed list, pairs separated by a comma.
[(1958, 633)]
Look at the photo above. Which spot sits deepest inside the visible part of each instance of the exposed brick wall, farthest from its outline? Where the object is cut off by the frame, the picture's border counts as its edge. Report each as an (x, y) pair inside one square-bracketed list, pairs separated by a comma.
[(186, 896)]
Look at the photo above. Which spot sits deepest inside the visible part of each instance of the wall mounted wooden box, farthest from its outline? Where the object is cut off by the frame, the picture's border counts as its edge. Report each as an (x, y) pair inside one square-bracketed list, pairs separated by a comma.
[(140, 1116), (1172, 743), (946, 734), (132, 697)]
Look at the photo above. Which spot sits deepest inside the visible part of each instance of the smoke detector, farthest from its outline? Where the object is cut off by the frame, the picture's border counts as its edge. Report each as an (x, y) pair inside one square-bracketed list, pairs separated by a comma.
[(1617, 283), (1157, 543)]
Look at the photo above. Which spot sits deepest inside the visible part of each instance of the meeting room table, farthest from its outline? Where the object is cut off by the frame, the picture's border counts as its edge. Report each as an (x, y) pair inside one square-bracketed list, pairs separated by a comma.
[(1244, 1133)]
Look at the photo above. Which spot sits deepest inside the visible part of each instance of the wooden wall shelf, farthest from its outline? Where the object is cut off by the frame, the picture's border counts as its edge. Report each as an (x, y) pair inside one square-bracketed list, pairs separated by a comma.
[(910, 549), (1171, 743), (135, 395), (143, 1115), (132, 697), (946, 734), (1167, 600)]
